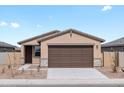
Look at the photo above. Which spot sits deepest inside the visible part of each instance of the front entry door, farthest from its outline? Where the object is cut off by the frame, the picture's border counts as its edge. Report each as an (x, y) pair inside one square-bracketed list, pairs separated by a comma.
[(28, 54)]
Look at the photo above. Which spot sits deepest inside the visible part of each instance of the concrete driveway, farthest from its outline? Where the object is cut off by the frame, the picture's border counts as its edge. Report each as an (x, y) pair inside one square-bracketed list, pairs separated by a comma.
[(74, 73)]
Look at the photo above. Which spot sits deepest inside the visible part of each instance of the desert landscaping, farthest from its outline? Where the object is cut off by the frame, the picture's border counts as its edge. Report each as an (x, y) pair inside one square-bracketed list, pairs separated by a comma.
[(110, 74), (7, 72), (36, 72)]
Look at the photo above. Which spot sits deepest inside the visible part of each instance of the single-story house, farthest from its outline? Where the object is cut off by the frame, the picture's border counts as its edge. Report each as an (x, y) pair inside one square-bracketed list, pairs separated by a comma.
[(113, 50), (67, 49), (116, 45), (5, 47)]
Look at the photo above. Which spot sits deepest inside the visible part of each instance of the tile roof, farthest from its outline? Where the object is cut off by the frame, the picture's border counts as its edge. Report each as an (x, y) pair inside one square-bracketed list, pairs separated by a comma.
[(117, 42), (3, 44)]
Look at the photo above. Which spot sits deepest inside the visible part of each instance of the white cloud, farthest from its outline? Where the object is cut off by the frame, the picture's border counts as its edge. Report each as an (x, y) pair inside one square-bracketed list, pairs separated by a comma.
[(3, 23), (50, 17), (106, 8), (14, 24), (39, 26)]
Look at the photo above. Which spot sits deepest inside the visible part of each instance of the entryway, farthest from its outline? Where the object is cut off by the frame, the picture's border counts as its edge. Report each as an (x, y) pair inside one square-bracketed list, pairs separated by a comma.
[(28, 54)]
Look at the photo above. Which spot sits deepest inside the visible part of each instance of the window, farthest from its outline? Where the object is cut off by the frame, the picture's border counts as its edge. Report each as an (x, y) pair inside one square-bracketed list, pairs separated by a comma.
[(37, 51)]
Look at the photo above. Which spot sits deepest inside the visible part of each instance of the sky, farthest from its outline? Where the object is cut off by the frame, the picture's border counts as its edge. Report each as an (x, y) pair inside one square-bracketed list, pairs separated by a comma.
[(21, 22)]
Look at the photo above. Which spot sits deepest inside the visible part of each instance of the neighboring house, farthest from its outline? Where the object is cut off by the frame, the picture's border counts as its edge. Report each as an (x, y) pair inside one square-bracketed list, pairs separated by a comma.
[(8, 52), (5, 47), (69, 48), (116, 45), (113, 50)]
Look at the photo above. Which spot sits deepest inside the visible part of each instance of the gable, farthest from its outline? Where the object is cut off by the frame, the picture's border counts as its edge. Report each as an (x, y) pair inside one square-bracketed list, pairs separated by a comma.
[(33, 40), (71, 32), (71, 38)]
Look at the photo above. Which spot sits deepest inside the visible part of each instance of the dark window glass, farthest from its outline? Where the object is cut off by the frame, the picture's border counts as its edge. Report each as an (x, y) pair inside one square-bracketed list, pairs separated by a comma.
[(37, 50)]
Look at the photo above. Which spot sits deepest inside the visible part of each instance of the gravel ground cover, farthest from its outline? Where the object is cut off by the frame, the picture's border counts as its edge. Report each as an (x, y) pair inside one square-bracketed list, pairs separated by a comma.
[(14, 73), (112, 75)]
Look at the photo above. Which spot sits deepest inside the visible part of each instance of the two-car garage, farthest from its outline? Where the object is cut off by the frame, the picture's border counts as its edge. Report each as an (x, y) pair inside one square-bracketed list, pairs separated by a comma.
[(70, 56)]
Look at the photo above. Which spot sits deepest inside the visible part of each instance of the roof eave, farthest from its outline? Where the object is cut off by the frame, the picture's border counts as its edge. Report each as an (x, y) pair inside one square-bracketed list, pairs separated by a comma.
[(35, 37), (76, 31)]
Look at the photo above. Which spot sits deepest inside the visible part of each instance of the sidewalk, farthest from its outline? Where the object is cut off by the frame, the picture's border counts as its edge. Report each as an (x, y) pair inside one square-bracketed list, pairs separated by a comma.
[(61, 83)]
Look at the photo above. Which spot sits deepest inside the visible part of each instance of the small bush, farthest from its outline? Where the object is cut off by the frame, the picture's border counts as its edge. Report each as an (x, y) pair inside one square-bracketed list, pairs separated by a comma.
[(3, 70), (38, 68)]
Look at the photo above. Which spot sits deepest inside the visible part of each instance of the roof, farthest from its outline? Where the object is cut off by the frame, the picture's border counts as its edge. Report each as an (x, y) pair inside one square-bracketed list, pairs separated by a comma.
[(39, 36), (3, 44), (73, 31), (117, 42)]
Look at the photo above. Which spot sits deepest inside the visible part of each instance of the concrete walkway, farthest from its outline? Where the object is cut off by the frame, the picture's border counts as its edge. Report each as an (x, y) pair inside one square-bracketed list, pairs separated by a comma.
[(25, 67), (60, 83), (74, 73)]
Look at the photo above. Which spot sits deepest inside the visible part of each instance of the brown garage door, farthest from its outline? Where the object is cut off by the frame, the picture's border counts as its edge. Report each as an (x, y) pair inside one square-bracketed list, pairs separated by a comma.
[(70, 56)]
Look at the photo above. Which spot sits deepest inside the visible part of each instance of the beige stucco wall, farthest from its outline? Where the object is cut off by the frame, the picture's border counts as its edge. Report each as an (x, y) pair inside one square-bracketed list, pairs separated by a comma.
[(108, 59), (10, 58), (32, 42), (22, 53), (121, 59), (35, 60), (110, 56), (75, 39)]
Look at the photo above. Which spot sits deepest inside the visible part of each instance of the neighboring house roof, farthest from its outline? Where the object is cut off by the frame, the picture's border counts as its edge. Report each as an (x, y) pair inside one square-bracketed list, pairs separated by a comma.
[(118, 42), (73, 31), (39, 36), (6, 45)]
